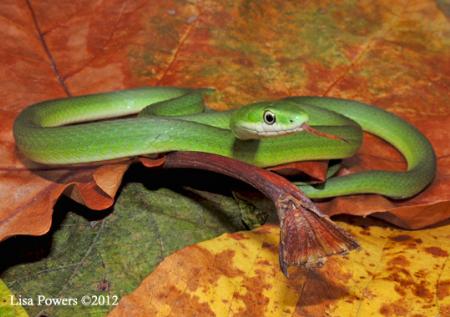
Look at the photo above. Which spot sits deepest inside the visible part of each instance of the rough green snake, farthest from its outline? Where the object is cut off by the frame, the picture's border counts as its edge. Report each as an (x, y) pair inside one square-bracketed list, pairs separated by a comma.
[(74, 130)]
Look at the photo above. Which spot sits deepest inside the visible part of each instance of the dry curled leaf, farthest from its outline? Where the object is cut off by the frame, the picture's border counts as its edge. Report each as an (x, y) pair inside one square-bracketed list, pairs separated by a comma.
[(393, 55), (307, 236), (396, 273)]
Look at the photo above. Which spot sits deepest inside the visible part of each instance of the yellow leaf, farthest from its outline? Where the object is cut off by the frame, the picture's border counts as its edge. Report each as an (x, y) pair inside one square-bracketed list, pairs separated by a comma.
[(396, 273), (9, 306)]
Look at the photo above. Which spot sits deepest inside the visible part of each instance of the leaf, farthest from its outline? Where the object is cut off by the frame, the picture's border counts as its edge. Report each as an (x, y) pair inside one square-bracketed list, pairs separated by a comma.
[(307, 235), (29, 209), (110, 254), (396, 272), (383, 52), (9, 306)]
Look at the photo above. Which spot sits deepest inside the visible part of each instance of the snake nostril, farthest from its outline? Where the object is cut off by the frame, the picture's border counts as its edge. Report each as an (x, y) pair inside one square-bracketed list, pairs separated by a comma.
[(291, 121)]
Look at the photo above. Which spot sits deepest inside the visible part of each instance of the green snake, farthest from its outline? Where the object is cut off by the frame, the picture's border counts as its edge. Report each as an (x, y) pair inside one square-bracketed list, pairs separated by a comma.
[(100, 127)]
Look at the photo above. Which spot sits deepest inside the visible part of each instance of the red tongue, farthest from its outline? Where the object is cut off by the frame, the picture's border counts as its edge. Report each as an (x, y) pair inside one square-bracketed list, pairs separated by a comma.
[(313, 131)]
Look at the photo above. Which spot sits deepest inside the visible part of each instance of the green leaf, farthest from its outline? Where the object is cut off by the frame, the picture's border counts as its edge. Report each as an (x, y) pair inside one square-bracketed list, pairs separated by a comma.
[(110, 255)]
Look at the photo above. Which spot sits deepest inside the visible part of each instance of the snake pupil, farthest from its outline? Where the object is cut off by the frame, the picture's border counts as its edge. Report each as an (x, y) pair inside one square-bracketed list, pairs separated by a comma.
[(269, 117)]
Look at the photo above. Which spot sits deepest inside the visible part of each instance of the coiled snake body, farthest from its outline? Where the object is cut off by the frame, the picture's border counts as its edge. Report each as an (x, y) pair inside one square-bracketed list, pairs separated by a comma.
[(68, 131)]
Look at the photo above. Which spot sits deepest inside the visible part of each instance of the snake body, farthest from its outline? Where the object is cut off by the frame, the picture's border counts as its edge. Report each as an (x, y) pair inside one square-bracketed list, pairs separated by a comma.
[(68, 131)]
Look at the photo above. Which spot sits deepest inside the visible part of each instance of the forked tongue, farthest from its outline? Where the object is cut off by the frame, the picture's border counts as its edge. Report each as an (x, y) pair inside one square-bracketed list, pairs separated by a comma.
[(321, 134)]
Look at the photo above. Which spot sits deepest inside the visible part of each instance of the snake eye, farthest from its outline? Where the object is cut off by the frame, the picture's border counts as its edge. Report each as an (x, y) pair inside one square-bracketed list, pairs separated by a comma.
[(269, 117)]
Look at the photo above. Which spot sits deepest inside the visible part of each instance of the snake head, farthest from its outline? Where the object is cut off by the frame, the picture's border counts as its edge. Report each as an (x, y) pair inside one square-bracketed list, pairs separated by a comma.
[(268, 119)]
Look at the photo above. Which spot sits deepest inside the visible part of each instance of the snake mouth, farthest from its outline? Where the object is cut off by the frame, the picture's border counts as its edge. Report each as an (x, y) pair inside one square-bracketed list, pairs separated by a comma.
[(252, 133), (273, 133), (269, 133)]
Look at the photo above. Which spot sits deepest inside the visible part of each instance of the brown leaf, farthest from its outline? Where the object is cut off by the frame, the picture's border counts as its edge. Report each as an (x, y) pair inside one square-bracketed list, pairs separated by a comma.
[(28, 197), (308, 237), (379, 52)]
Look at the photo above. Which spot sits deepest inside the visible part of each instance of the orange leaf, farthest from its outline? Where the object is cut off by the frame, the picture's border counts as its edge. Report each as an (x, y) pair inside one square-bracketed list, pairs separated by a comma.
[(28, 196), (315, 169), (383, 52)]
